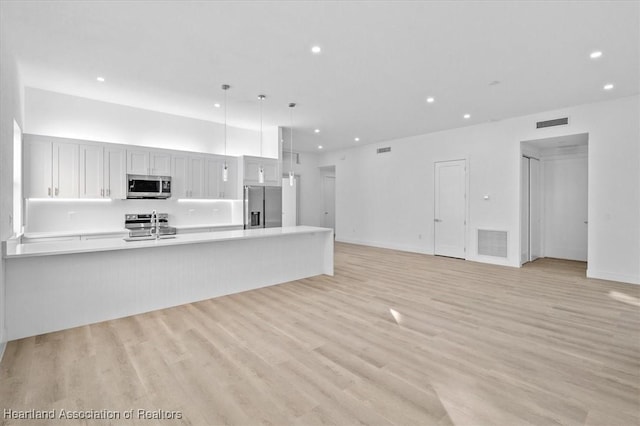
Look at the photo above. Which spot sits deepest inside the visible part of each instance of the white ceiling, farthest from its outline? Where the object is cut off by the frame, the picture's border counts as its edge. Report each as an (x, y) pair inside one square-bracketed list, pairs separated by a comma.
[(379, 63)]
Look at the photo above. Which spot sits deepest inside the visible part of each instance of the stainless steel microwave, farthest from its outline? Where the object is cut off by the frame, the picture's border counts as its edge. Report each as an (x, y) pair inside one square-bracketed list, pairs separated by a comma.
[(143, 186)]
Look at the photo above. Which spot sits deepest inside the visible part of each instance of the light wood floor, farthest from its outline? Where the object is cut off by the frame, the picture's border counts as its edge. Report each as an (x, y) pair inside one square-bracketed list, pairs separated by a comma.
[(394, 338)]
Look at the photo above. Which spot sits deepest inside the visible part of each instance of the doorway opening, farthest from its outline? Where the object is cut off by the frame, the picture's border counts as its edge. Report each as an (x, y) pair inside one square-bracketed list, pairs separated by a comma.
[(554, 189)]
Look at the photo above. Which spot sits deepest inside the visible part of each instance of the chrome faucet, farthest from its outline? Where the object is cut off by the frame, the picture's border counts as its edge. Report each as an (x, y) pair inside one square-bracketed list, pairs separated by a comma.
[(155, 223)]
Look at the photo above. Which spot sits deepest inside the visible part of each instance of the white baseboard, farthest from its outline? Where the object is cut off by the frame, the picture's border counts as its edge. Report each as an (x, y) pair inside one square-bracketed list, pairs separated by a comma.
[(399, 247), (610, 276)]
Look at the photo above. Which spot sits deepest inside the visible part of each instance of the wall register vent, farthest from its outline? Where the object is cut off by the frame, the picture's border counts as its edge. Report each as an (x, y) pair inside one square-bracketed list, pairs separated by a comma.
[(383, 150), (550, 123), (492, 243)]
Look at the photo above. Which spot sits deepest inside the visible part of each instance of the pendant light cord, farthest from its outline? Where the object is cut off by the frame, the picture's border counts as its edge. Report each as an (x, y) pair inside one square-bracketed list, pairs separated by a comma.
[(291, 106), (225, 87), (261, 99)]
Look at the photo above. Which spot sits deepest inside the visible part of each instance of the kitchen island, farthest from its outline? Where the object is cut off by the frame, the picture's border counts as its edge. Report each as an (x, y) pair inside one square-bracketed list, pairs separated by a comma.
[(52, 286)]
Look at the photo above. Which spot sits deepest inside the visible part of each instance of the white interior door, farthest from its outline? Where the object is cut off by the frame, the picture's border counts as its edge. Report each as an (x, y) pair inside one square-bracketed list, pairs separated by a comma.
[(524, 220), (289, 202), (565, 208), (450, 208), (329, 196)]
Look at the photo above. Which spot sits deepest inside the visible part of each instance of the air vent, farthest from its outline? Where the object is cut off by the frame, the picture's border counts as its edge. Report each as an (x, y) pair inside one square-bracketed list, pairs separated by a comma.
[(492, 243), (550, 123), (383, 150)]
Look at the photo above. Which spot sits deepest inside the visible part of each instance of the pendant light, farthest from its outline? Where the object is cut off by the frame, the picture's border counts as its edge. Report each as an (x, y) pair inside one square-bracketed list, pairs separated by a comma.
[(225, 167), (260, 167), (292, 105)]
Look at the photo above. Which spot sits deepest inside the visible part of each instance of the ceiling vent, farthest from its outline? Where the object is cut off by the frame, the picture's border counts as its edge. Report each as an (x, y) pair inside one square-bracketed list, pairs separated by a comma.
[(550, 123), (383, 150)]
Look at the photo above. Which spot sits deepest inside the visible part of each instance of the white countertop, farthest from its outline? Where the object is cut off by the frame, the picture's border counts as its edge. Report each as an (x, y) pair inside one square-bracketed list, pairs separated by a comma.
[(75, 233), (85, 246), (224, 225)]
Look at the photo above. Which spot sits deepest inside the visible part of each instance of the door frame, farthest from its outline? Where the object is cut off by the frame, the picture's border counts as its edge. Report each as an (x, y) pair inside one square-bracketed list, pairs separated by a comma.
[(466, 203)]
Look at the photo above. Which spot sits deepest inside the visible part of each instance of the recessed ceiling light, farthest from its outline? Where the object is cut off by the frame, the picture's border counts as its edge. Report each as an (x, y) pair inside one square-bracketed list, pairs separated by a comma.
[(356, 139), (316, 49), (430, 100), (467, 116), (216, 105), (100, 79), (316, 131), (320, 147), (608, 86), (595, 55)]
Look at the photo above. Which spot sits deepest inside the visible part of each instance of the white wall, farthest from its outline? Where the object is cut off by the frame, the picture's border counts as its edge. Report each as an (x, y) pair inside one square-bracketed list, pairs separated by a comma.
[(11, 108), (55, 114), (387, 199)]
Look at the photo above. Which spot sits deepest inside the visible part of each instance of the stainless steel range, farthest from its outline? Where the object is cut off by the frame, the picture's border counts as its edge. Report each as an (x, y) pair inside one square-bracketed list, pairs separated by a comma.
[(148, 226)]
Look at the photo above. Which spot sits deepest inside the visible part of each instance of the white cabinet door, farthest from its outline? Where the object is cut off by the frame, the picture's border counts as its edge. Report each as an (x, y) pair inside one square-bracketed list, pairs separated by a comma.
[(272, 172), (159, 163), (138, 162), (65, 170), (91, 171), (115, 174), (229, 189), (271, 168), (180, 177), (251, 170), (196, 175), (213, 177), (37, 169)]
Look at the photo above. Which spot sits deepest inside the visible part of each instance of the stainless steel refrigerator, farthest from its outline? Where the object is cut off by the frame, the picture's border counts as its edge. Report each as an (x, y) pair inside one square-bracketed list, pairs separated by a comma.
[(262, 207)]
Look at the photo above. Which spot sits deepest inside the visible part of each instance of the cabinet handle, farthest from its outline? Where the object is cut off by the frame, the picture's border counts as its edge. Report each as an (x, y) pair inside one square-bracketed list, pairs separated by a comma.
[(109, 192), (102, 192), (49, 192), (57, 192)]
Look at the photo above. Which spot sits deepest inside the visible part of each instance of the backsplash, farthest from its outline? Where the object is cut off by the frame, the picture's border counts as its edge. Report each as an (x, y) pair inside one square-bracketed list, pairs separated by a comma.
[(90, 215)]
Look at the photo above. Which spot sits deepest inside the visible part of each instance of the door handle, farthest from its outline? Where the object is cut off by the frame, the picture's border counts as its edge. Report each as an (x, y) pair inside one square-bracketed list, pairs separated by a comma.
[(586, 221), (437, 220)]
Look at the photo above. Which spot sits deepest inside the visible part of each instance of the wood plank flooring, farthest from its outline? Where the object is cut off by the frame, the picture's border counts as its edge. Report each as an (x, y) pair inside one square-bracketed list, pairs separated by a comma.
[(392, 339)]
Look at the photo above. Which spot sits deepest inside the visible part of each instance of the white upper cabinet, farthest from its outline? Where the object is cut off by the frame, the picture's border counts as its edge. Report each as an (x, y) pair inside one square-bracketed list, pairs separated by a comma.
[(91, 171), (138, 162), (115, 175), (250, 166), (38, 161), (229, 189), (187, 176), (216, 187), (50, 168), (102, 172), (148, 162), (159, 163), (64, 168)]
